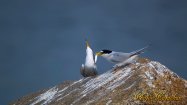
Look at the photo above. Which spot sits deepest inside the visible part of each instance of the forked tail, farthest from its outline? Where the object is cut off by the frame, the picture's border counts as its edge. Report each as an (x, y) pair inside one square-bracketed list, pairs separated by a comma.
[(137, 52)]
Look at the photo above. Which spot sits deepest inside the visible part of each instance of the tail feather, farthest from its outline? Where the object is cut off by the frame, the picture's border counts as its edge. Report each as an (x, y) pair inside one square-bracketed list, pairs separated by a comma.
[(137, 52)]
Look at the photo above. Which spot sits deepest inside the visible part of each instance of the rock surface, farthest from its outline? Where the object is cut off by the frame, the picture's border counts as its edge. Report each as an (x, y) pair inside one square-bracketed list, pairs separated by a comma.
[(143, 83)]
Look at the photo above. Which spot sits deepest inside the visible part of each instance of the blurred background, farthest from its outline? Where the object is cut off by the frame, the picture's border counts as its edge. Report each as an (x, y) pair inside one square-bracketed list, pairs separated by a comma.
[(42, 41)]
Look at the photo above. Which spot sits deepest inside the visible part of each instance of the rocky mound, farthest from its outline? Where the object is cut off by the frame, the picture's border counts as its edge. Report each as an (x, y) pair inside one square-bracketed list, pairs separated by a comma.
[(142, 83)]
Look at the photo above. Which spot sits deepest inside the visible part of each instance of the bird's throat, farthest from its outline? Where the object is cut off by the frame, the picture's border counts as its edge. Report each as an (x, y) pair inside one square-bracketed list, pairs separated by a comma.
[(89, 62)]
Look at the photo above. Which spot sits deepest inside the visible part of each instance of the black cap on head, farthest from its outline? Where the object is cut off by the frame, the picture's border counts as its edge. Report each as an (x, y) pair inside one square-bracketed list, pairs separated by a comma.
[(106, 51)]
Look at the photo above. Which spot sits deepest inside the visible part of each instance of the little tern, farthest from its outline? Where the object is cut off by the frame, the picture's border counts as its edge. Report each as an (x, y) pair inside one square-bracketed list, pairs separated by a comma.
[(120, 58), (89, 68)]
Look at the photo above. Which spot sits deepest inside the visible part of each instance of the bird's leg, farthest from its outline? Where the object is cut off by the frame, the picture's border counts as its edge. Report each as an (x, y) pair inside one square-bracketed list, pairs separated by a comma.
[(115, 66)]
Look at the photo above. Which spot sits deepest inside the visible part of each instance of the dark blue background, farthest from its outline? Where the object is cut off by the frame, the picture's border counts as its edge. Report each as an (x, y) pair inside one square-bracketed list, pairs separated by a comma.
[(42, 41)]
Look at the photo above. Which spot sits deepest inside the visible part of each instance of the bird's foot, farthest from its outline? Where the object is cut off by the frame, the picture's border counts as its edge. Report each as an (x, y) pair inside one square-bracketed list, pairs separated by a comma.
[(115, 67)]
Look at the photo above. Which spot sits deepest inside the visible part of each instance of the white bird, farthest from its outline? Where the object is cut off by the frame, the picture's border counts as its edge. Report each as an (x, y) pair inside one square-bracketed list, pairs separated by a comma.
[(120, 58), (89, 68)]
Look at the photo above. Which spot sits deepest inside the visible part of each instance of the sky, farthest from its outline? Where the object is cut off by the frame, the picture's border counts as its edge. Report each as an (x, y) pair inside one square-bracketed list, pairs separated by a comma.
[(42, 41)]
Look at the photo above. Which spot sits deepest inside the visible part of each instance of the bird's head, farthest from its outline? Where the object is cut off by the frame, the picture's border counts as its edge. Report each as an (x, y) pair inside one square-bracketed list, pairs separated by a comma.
[(103, 52)]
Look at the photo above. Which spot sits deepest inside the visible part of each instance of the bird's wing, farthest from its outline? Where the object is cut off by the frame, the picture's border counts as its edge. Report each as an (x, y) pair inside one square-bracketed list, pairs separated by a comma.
[(119, 56), (82, 70), (94, 71), (95, 67)]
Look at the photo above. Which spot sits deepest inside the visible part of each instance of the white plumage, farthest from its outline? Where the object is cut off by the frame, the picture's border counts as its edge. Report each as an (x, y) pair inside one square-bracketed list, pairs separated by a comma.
[(89, 68)]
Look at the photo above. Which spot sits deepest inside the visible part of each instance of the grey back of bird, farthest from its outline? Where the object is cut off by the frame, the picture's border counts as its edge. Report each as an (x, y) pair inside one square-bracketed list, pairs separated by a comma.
[(117, 57)]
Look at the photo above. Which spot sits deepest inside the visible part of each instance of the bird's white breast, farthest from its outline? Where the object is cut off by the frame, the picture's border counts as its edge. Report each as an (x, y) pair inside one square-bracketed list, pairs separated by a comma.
[(89, 58)]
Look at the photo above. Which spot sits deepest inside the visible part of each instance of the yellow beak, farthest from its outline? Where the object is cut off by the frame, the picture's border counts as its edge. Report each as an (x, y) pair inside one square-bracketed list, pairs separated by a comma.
[(87, 44), (99, 53)]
